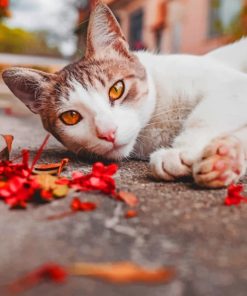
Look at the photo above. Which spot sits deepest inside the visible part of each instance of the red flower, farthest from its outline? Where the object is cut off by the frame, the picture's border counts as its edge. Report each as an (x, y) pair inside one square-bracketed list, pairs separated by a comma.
[(99, 169), (77, 205), (100, 179), (53, 272), (18, 191), (46, 195), (17, 185), (4, 3), (234, 196)]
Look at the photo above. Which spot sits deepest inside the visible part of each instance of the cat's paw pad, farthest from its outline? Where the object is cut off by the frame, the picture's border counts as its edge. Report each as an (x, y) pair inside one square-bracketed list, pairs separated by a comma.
[(168, 165), (222, 163)]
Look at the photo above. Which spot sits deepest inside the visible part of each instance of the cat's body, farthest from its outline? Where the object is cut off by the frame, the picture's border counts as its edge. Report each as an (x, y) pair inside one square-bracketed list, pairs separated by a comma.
[(189, 113), (181, 82)]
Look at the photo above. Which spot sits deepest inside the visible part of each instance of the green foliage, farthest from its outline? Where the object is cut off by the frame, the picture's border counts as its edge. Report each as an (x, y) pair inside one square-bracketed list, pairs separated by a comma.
[(215, 4), (235, 29), (238, 26), (23, 42)]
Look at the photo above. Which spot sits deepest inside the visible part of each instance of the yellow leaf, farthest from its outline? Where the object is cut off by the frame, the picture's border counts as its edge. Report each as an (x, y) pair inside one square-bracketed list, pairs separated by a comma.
[(48, 182)]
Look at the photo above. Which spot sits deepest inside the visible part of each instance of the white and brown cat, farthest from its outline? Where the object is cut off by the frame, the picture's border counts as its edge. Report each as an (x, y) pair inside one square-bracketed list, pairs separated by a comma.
[(187, 113)]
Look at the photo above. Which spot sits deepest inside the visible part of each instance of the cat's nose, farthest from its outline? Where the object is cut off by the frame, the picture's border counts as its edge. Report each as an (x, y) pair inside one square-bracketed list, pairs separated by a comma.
[(109, 136)]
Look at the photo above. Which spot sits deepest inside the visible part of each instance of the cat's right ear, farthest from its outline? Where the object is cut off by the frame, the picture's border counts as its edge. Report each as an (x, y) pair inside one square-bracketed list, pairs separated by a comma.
[(104, 32), (26, 84)]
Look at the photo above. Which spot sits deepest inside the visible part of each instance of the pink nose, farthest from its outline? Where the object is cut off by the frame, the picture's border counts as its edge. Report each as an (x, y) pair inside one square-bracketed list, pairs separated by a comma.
[(109, 136)]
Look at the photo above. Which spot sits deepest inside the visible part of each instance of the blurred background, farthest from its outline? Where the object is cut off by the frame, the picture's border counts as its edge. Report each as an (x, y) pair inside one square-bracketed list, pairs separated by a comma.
[(46, 34)]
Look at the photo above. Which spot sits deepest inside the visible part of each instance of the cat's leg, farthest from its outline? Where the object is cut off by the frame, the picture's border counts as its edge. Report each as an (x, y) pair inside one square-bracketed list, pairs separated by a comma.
[(212, 118), (223, 161), (175, 162)]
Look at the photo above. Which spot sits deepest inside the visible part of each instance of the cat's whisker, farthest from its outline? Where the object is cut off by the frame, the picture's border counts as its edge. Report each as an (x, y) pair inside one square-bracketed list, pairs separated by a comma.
[(164, 121), (170, 111)]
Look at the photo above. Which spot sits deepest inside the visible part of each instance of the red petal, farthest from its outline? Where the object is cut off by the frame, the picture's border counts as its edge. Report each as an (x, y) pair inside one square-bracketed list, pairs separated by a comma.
[(54, 272), (111, 170), (88, 206), (75, 204), (131, 214), (46, 195)]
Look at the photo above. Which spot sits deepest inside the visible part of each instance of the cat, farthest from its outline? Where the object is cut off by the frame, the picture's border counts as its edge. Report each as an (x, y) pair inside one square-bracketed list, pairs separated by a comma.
[(187, 114)]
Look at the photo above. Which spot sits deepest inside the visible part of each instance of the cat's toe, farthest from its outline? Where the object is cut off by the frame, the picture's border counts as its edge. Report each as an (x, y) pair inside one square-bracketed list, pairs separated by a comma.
[(167, 164), (222, 163)]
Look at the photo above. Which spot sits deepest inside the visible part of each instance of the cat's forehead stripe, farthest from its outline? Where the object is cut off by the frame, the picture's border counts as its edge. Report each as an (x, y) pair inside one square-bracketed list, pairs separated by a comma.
[(91, 73)]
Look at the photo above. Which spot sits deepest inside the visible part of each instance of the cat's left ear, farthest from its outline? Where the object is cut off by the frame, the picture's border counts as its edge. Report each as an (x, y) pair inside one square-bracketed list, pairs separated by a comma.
[(104, 32)]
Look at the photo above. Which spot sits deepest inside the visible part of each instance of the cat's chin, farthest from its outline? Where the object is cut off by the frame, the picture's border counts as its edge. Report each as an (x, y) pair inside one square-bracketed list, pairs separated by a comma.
[(119, 153)]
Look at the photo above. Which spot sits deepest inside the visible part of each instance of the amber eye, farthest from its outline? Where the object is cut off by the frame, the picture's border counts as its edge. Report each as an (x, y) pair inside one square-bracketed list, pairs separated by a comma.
[(70, 117), (116, 91)]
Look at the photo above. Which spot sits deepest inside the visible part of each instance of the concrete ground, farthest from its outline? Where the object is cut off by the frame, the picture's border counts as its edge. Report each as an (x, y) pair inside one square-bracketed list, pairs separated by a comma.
[(178, 225)]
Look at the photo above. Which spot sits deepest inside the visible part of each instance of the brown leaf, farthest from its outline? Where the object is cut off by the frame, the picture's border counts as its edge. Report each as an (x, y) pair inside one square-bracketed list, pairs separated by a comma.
[(50, 168), (123, 272), (5, 146), (129, 198)]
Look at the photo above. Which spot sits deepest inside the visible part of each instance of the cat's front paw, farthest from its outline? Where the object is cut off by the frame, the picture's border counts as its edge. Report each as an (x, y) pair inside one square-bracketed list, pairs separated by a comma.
[(168, 164), (222, 163)]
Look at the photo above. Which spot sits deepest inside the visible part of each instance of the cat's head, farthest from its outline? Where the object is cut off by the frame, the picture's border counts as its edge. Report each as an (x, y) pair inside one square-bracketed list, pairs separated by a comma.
[(98, 104)]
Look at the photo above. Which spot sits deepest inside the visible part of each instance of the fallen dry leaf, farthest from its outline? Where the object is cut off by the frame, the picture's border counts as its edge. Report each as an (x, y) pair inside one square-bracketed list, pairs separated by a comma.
[(5, 146), (129, 198), (51, 168), (123, 272)]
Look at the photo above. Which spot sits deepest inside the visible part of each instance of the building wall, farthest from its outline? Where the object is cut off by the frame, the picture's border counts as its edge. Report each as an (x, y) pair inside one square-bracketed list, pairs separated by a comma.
[(182, 25), (192, 16)]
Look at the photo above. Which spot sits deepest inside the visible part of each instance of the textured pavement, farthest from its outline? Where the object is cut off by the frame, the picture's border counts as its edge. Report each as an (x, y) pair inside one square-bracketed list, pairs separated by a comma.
[(178, 225)]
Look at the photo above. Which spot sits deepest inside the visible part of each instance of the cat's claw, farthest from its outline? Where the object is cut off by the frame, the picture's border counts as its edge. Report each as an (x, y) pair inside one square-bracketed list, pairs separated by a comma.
[(168, 165), (222, 163)]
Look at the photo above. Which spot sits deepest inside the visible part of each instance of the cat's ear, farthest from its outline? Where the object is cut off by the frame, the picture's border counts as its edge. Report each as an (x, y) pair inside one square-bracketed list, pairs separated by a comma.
[(26, 84), (104, 32)]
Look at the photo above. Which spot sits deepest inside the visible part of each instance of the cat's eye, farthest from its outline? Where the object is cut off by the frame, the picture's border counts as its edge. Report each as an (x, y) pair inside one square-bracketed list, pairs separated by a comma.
[(70, 117), (116, 91)]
